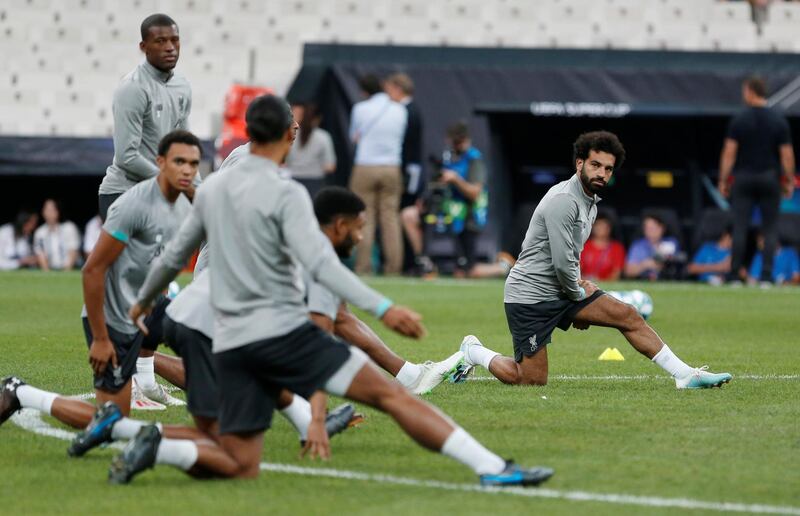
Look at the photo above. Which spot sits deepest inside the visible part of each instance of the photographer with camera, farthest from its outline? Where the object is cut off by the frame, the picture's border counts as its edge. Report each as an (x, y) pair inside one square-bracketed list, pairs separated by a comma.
[(456, 202)]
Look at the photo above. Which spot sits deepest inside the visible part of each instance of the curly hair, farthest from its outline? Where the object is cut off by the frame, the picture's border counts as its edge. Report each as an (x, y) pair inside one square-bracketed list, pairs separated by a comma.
[(600, 141)]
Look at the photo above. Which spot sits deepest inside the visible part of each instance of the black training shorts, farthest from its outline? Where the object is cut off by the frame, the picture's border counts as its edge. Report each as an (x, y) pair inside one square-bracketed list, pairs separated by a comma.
[(194, 348), (532, 325), (127, 348), (250, 377)]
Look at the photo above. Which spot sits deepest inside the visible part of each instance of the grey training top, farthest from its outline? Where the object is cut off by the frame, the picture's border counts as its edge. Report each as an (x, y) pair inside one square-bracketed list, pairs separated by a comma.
[(257, 224), (549, 264), (144, 221), (321, 300), (233, 158), (148, 104)]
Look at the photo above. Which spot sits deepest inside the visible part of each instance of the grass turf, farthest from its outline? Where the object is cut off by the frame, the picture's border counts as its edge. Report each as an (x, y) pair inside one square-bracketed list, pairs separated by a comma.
[(632, 436)]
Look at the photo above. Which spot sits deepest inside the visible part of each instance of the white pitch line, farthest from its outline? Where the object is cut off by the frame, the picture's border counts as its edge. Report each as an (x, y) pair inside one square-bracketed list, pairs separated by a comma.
[(577, 496), (29, 419), (616, 377)]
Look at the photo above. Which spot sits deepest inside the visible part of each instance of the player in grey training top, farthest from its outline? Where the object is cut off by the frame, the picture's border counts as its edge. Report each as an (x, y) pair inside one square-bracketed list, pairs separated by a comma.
[(545, 289), (151, 101), (258, 224), (138, 227), (341, 215)]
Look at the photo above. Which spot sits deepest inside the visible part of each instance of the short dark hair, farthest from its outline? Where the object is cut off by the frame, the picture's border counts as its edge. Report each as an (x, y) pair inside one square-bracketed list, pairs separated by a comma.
[(602, 215), (757, 85), (656, 218), (598, 141), (22, 218), (369, 84), (155, 20), (458, 131), (268, 117), (178, 136), (336, 201)]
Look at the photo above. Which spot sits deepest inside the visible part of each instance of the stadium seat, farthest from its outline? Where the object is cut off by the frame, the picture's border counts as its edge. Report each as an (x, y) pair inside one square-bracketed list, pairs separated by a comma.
[(779, 37), (710, 227), (733, 35), (683, 10), (731, 12), (784, 12)]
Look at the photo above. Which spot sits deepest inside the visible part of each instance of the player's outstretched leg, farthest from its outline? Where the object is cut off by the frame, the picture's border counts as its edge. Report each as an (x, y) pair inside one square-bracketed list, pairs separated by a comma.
[(360, 381), (15, 394), (110, 424), (609, 312), (418, 378)]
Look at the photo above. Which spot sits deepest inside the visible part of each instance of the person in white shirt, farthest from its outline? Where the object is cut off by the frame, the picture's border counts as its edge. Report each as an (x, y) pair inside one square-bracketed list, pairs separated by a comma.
[(56, 243), (377, 128), (91, 233), (312, 156), (15, 242)]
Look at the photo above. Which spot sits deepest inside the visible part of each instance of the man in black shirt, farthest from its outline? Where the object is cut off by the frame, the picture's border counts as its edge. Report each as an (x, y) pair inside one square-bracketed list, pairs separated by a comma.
[(757, 147)]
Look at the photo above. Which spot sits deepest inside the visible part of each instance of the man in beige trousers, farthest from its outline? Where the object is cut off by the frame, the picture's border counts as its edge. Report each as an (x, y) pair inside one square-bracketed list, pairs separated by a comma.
[(377, 128)]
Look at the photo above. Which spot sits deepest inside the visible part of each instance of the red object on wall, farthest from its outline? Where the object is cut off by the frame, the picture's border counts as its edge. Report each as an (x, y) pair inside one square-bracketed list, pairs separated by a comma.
[(234, 131)]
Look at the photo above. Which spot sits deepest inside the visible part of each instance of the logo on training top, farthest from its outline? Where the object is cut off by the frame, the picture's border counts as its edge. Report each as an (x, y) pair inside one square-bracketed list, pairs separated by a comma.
[(533, 343), (159, 248)]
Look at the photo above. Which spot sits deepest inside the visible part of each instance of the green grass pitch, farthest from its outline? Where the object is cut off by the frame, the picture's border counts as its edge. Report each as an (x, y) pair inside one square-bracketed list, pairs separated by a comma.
[(635, 435)]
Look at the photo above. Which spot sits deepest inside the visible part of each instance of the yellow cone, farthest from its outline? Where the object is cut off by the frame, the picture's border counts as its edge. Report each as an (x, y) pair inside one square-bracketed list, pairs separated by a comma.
[(611, 354)]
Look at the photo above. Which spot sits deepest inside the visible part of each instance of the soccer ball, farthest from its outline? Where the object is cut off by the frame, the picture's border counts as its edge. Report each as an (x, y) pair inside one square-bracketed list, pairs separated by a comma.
[(641, 301)]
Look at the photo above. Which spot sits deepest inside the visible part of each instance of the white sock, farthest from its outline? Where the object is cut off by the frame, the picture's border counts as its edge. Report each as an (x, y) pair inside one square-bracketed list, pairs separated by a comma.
[(670, 363), (127, 428), (465, 449), (298, 412), (180, 453), (480, 355), (145, 373), (408, 374), (31, 397)]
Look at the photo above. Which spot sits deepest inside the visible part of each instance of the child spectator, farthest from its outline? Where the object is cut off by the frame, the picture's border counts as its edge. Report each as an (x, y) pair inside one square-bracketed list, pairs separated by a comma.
[(15, 242), (785, 266), (712, 262), (56, 243), (603, 257), (648, 256)]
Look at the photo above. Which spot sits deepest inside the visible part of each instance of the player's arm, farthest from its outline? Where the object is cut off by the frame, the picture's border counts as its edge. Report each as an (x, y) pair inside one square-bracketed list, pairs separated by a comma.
[(41, 260), (317, 437), (130, 104), (786, 153), (561, 218), (165, 268), (314, 251), (726, 160), (471, 187), (323, 321), (105, 253)]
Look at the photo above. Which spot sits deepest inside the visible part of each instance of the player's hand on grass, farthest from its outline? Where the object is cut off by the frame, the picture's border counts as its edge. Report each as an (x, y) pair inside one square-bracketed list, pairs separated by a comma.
[(589, 287), (137, 314), (404, 321), (101, 353), (317, 443)]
